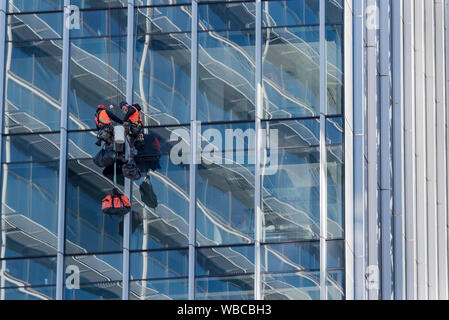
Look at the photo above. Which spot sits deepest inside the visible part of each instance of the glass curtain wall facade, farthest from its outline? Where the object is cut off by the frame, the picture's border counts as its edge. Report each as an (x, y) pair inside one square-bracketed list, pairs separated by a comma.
[(220, 229)]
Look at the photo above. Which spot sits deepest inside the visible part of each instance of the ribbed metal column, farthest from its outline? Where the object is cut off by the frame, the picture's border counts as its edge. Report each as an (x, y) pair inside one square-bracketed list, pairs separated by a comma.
[(409, 275), (371, 114), (441, 178), (385, 150), (193, 149), (446, 58), (323, 153), (421, 178), (398, 58), (359, 158), (432, 244), (128, 184), (63, 153), (258, 155), (349, 156)]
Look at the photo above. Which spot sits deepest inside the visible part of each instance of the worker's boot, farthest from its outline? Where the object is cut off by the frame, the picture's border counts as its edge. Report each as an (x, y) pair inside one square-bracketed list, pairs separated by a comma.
[(98, 143)]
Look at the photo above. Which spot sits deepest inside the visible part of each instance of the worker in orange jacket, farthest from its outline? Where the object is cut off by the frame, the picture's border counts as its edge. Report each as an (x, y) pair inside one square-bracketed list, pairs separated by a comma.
[(133, 124), (103, 120)]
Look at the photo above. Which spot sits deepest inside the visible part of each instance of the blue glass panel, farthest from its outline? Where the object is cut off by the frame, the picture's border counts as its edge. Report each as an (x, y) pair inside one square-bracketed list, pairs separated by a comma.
[(291, 286), (335, 200), (97, 76), (27, 27), (100, 277), (225, 288), (30, 293), (290, 13), (334, 131), (335, 72), (31, 147), (226, 16), (98, 4), (34, 5), (29, 272), (33, 87), (224, 261), (226, 69), (161, 197), (167, 289), (334, 11), (225, 185), (95, 291), (162, 78), (101, 23), (336, 285), (163, 19), (87, 228), (159, 264), (291, 77), (291, 257), (29, 209)]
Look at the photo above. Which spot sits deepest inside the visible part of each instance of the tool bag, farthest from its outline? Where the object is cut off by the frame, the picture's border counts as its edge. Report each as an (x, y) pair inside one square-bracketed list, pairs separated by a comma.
[(131, 171), (147, 193), (105, 158), (115, 204)]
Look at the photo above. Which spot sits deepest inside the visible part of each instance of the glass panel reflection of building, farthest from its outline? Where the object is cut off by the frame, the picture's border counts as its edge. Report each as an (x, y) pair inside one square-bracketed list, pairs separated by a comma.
[(225, 213)]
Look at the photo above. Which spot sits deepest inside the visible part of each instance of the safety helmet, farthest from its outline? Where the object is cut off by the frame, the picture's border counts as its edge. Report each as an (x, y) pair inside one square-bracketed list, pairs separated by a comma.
[(101, 107)]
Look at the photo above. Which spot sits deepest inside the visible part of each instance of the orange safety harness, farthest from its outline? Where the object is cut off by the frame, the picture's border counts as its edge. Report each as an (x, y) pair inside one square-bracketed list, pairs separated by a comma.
[(102, 118), (136, 117), (115, 204)]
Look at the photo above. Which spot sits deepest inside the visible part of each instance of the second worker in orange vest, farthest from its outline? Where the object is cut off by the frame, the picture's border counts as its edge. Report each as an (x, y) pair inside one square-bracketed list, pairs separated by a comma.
[(103, 120), (133, 117)]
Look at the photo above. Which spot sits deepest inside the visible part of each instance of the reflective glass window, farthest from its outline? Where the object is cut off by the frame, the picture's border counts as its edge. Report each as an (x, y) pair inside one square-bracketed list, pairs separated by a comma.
[(100, 277), (87, 228), (97, 76), (160, 217), (335, 254), (291, 286), (225, 288), (38, 26), (227, 16), (291, 186), (111, 290), (334, 11), (224, 261), (34, 5), (162, 77), (335, 193), (99, 4), (291, 72), (290, 257), (29, 293), (166, 289), (226, 75), (100, 23), (225, 185), (159, 2), (29, 209), (290, 13), (28, 272), (336, 285), (334, 130), (81, 144), (30, 147), (159, 264), (335, 72), (33, 86), (163, 19), (96, 268)]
